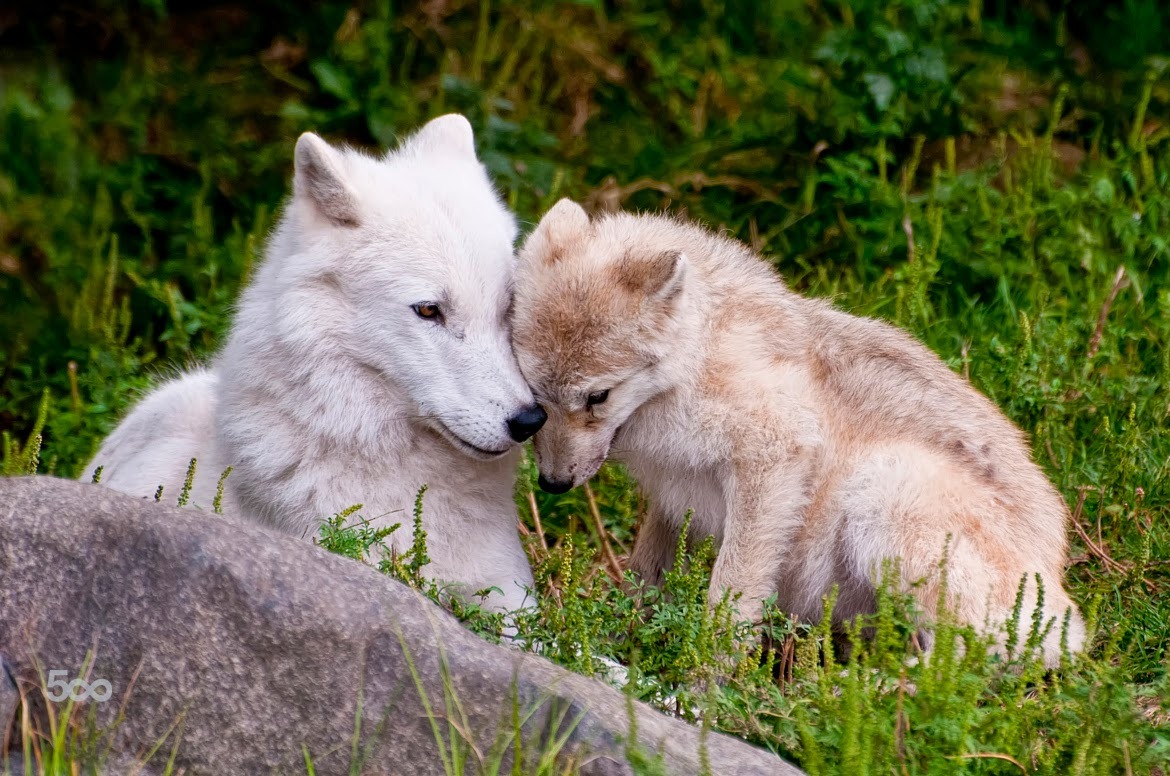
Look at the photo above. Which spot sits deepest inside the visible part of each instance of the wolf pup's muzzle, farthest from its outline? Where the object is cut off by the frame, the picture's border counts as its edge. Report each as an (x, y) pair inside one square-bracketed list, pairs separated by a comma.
[(553, 486)]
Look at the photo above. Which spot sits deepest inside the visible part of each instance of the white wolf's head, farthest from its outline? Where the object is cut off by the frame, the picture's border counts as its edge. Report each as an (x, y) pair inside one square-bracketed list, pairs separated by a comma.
[(415, 253)]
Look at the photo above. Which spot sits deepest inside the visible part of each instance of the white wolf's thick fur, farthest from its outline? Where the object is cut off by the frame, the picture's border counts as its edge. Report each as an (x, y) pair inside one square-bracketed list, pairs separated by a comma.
[(333, 390), (811, 443)]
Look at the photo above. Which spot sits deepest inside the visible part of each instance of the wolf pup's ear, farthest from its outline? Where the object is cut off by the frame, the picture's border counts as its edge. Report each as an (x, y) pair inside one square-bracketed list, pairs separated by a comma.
[(563, 225), (659, 277), (450, 134), (320, 180)]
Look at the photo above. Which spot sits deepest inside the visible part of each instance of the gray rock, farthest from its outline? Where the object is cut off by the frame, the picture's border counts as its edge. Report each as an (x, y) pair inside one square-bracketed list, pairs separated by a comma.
[(118, 765), (249, 647), (9, 701)]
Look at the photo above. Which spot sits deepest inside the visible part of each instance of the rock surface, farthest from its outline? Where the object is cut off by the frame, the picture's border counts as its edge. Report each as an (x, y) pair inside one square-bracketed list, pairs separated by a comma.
[(250, 648)]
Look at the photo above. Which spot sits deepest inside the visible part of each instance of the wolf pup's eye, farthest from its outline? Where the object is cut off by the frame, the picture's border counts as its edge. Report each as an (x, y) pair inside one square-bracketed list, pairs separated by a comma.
[(428, 310), (597, 397)]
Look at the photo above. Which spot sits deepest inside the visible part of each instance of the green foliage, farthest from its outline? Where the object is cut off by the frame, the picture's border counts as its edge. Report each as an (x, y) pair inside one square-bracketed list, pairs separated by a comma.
[(994, 177), (217, 502), (188, 483), (16, 459), (360, 540), (409, 567), (352, 540), (962, 710)]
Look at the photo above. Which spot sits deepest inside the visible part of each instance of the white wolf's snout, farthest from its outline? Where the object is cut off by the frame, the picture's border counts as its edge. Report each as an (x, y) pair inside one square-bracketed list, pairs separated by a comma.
[(483, 405), (489, 438)]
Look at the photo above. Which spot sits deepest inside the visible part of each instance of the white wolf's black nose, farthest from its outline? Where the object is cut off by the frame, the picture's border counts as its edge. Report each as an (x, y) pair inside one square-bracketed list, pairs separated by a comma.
[(526, 422)]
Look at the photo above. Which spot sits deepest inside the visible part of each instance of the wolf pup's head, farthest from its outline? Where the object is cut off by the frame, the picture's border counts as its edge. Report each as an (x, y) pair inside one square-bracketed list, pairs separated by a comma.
[(416, 250), (595, 316)]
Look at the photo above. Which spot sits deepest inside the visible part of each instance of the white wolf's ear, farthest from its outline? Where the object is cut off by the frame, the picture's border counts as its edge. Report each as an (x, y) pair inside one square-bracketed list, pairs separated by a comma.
[(564, 224), (659, 277), (320, 180), (451, 134)]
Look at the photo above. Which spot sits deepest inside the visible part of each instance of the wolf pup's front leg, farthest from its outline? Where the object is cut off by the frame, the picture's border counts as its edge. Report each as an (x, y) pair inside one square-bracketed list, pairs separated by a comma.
[(765, 507), (654, 547)]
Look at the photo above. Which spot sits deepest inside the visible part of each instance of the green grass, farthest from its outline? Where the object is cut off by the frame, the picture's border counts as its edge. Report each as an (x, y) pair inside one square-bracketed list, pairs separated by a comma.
[(1021, 149)]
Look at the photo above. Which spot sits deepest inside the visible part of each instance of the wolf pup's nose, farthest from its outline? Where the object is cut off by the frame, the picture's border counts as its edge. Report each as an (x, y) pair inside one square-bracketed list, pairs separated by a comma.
[(526, 422), (553, 486)]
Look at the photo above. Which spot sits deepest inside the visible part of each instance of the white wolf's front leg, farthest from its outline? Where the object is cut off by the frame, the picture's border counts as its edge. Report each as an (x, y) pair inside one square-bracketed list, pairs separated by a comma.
[(498, 563), (765, 506)]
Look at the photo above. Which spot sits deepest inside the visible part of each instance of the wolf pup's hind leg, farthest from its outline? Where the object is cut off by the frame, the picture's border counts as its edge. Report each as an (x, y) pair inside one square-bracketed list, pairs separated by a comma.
[(902, 502)]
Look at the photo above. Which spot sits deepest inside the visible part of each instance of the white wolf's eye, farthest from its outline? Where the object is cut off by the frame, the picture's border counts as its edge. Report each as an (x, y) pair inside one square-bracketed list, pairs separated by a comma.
[(428, 310), (597, 397)]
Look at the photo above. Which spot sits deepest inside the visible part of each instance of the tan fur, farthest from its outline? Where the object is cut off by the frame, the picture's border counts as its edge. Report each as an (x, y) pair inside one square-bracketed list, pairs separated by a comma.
[(812, 444)]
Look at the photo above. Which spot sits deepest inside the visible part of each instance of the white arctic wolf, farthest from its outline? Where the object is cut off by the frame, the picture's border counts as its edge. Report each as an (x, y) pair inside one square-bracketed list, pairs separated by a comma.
[(812, 444), (369, 356)]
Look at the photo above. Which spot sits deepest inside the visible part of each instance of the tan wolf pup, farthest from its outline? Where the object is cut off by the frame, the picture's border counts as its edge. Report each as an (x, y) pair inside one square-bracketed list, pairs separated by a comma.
[(812, 444)]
